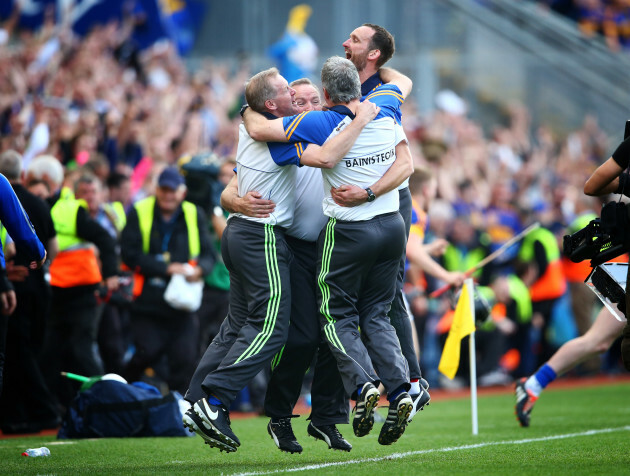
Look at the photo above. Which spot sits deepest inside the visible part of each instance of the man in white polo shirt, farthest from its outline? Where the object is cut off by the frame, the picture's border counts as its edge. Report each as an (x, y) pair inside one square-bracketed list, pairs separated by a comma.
[(256, 254), (360, 248)]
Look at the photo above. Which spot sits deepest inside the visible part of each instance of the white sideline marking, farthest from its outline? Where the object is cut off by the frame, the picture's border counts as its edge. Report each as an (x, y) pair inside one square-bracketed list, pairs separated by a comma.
[(435, 450)]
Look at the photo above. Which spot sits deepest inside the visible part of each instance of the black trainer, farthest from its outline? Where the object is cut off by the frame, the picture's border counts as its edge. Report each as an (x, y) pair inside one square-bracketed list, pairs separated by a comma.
[(194, 423), (420, 399), (191, 421), (282, 434), (524, 402), (329, 434), (214, 426), (367, 401), (396, 422)]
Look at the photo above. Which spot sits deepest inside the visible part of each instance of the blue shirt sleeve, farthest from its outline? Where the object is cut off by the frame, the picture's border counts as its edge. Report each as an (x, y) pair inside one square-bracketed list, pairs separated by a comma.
[(389, 98), (17, 223), (311, 126), (286, 154)]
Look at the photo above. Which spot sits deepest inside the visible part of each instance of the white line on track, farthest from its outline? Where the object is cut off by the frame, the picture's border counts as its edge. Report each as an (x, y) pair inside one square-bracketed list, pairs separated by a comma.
[(436, 450)]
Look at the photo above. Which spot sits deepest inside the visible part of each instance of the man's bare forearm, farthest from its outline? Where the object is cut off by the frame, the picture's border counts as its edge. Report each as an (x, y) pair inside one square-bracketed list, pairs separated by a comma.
[(251, 204), (391, 76), (400, 171), (336, 148), (229, 196), (352, 195), (262, 129)]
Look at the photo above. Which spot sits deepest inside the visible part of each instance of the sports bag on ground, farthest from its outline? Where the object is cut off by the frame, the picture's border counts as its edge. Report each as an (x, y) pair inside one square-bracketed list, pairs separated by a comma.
[(114, 409)]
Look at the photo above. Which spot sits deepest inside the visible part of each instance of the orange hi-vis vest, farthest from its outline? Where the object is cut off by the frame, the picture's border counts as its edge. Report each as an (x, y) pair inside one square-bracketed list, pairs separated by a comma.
[(76, 263), (552, 284)]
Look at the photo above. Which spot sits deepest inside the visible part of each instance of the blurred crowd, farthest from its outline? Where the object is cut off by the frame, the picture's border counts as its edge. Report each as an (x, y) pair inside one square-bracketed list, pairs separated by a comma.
[(609, 19), (120, 116)]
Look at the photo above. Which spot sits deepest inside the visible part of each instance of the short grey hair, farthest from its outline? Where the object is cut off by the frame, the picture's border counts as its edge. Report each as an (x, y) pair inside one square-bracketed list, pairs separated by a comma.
[(11, 164), (301, 81), (46, 165), (306, 82), (341, 79), (259, 89), (89, 178)]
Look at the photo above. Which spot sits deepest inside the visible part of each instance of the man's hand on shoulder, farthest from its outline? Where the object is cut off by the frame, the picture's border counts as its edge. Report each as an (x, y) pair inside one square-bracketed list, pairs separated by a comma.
[(366, 111), (396, 78)]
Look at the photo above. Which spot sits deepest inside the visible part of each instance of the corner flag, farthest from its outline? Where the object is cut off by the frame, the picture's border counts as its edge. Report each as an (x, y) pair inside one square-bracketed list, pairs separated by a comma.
[(463, 325)]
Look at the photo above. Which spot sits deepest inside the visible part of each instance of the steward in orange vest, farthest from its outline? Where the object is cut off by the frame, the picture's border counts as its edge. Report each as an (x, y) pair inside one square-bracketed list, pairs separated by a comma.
[(540, 254), (86, 257)]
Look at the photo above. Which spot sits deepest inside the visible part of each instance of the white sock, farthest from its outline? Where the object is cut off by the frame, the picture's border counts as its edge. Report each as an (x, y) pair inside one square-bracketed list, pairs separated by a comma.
[(415, 388), (533, 386)]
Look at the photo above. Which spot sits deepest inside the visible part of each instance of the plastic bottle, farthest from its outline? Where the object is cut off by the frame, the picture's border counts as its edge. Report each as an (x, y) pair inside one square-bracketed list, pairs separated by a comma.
[(43, 451)]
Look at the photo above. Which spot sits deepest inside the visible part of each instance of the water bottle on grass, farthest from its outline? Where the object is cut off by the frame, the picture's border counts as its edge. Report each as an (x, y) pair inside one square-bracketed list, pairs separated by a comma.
[(43, 451)]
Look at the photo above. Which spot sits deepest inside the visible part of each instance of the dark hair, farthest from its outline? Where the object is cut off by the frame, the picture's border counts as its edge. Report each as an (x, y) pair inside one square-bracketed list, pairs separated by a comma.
[(383, 41), (37, 182), (116, 179), (419, 178)]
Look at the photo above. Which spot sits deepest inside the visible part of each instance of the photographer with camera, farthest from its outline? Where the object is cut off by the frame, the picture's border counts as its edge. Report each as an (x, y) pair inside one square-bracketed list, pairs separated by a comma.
[(587, 244), (612, 177)]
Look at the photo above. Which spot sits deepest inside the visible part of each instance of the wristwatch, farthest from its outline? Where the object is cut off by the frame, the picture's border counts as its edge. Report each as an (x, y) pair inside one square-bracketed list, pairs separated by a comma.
[(371, 196), (242, 111)]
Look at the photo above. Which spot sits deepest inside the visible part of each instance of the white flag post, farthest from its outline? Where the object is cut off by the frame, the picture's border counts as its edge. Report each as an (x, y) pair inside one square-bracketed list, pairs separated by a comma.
[(473, 360)]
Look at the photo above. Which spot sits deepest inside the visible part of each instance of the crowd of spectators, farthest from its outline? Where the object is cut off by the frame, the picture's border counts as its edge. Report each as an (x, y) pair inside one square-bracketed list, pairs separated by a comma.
[(97, 105), (608, 19)]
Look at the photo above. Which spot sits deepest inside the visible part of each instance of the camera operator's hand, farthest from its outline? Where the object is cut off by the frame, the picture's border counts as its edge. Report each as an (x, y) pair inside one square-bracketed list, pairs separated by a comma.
[(608, 177)]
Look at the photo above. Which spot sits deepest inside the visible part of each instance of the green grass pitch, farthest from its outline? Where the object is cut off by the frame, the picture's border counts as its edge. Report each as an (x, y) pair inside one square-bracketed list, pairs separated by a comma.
[(578, 431)]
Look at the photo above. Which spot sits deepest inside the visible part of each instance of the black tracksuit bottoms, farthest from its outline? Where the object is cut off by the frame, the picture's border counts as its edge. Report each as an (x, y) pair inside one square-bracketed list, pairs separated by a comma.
[(329, 399), (255, 329), (358, 263), (398, 314)]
